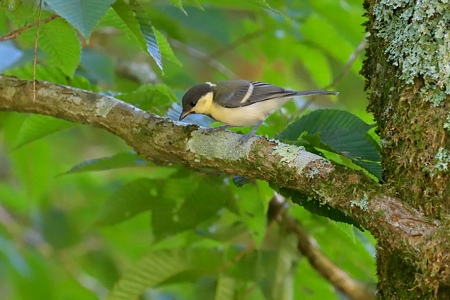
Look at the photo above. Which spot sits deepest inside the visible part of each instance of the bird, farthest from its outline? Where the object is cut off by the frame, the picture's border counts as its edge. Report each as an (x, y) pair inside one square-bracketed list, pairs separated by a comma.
[(237, 103)]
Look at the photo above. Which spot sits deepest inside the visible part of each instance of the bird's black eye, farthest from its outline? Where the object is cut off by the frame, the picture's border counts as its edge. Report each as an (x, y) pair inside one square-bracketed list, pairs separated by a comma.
[(193, 103)]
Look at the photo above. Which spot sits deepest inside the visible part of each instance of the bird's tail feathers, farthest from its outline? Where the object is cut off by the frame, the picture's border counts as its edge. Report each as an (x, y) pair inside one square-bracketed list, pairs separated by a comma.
[(315, 92)]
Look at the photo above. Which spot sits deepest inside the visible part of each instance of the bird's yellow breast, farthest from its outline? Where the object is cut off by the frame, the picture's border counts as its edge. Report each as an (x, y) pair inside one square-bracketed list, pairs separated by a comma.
[(245, 115)]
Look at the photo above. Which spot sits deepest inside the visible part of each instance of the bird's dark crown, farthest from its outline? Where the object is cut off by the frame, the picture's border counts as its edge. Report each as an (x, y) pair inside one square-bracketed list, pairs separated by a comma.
[(192, 96)]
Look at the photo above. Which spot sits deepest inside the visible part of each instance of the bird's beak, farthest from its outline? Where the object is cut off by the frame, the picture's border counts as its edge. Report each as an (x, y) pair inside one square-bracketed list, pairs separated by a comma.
[(184, 114)]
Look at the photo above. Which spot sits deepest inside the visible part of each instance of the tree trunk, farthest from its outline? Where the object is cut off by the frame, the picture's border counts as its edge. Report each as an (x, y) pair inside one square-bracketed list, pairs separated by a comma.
[(407, 77)]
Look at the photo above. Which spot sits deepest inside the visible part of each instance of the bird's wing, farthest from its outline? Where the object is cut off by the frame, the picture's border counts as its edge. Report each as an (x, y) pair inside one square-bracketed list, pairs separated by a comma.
[(247, 93)]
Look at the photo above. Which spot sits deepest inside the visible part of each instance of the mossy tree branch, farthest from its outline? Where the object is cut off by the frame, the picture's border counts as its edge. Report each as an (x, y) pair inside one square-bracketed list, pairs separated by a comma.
[(164, 141)]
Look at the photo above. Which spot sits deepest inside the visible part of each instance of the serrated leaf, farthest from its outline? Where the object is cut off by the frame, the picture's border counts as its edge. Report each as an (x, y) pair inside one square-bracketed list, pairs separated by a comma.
[(155, 268), (38, 126), (179, 5), (129, 25), (59, 40), (165, 48), (82, 14), (195, 3), (120, 160), (130, 200), (146, 29), (265, 5), (316, 207), (340, 132)]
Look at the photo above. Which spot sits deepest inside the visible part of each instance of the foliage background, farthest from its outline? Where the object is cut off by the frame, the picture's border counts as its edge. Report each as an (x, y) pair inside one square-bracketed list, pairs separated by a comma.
[(73, 232)]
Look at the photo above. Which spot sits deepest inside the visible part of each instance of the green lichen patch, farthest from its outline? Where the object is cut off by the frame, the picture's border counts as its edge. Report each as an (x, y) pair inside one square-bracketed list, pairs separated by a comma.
[(418, 37)]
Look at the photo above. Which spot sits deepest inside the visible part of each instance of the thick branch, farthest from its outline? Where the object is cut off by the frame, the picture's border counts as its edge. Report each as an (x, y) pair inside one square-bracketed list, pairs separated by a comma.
[(165, 141)]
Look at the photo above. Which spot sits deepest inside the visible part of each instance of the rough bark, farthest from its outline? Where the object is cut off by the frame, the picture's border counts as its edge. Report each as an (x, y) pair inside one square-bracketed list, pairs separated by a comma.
[(407, 76)]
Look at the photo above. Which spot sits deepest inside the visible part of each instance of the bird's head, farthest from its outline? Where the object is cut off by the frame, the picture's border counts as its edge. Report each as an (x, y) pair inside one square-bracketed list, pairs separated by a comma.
[(198, 99)]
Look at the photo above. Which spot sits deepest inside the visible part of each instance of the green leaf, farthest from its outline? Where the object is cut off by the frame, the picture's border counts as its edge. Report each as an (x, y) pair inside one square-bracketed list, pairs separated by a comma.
[(183, 203), (179, 5), (254, 213), (316, 207), (225, 289), (59, 40), (130, 200), (155, 268), (82, 14), (156, 98), (165, 48), (38, 126), (129, 25), (194, 3), (147, 32), (121, 160), (53, 74), (339, 132), (265, 5)]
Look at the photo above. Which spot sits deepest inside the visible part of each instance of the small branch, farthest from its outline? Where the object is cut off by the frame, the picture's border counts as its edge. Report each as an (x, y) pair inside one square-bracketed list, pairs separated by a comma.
[(204, 57), (319, 261), (14, 34), (341, 75), (239, 41), (349, 63)]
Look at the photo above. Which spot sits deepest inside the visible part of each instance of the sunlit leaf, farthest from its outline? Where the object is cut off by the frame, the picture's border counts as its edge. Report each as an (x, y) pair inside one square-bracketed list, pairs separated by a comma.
[(165, 48), (129, 24), (60, 41), (82, 14)]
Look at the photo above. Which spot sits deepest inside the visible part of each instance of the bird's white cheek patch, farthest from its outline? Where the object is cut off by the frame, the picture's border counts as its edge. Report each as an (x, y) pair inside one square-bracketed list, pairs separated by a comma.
[(204, 104)]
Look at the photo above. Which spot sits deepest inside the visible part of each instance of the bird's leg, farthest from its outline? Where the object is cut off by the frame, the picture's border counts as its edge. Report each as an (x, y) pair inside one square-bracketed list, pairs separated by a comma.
[(247, 136)]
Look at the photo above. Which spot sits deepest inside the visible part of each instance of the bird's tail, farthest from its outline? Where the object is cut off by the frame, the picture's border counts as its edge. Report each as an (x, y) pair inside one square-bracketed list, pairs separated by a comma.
[(315, 92)]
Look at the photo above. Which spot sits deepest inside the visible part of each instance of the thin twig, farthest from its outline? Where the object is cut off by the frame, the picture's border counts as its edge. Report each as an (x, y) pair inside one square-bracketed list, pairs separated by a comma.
[(239, 41), (362, 45), (15, 33), (340, 76), (308, 247), (203, 57)]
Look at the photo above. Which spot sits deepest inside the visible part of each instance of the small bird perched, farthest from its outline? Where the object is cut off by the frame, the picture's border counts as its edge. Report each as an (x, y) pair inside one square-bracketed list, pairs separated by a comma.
[(239, 102)]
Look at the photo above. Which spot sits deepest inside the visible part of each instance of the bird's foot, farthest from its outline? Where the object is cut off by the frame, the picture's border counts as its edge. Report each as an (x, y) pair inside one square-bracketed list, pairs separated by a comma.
[(245, 137)]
